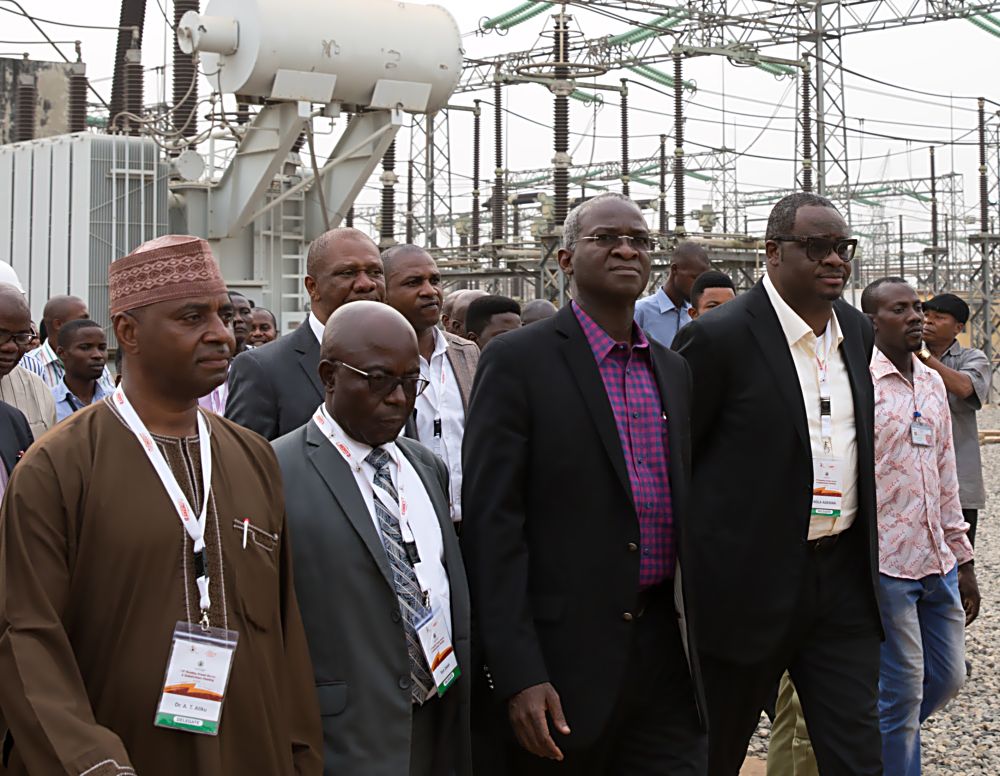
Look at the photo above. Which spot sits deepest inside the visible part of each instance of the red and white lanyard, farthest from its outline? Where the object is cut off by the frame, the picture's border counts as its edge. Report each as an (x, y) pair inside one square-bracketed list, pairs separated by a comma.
[(195, 526), (825, 342), (325, 424)]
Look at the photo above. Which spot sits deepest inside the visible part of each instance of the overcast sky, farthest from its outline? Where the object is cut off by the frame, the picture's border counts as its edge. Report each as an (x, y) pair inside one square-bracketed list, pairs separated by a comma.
[(952, 57)]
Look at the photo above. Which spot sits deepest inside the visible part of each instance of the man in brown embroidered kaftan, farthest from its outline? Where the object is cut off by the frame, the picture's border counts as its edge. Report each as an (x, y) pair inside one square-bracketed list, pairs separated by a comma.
[(98, 568)]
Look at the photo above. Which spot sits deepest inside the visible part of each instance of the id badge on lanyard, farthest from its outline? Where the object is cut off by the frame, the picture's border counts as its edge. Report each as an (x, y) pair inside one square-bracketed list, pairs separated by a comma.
[(921, 432), (432, 630), (201, 656), (828, 471), (437, 440)]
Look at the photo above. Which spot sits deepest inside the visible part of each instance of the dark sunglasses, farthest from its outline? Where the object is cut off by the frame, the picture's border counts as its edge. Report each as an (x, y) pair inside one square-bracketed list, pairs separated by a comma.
[(818, 248)]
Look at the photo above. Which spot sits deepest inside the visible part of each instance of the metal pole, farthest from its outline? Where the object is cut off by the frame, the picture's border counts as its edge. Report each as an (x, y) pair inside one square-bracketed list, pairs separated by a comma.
[(902, 256), (820, 103)]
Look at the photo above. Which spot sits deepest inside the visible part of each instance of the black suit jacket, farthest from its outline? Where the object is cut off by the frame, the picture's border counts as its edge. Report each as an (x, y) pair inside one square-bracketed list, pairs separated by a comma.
[(753, 471), (550, 529), (15, 435), (351, 614), (276, 388)]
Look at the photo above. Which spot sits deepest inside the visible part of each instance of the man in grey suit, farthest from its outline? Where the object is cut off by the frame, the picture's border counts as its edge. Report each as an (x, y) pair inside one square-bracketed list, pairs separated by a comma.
[(447, 362), (375, 556), (275, 388)]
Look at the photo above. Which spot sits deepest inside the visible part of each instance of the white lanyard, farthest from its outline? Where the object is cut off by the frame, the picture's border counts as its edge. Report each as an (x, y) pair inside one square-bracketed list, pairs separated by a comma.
[(195, 527), (825, 406)]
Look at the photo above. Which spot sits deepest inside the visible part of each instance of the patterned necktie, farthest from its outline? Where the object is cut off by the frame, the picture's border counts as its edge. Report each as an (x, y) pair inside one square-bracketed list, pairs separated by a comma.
[(411, 597)]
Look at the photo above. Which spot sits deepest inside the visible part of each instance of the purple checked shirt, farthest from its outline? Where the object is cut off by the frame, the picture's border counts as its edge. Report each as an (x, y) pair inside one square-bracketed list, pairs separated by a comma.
[(627, 372)]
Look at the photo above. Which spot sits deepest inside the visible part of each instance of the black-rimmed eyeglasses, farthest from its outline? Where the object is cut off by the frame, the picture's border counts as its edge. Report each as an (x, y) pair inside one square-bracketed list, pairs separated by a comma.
[(818, 248), (383, 385), (21, 338)]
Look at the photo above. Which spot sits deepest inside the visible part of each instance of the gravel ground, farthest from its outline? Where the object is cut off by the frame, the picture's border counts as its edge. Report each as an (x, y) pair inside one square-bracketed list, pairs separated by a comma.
[(964, 738)]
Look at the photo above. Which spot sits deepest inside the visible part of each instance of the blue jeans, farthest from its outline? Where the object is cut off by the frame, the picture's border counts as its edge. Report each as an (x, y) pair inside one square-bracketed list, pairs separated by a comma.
[(922, 661)]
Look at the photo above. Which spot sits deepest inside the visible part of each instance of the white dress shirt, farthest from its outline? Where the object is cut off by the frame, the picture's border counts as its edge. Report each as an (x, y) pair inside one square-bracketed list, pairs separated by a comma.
[(317, 328), (441, 405), (420, 512), (806, 347)]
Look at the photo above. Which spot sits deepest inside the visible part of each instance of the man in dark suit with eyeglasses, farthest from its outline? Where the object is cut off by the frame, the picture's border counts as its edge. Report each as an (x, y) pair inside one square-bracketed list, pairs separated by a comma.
[(576, 461)]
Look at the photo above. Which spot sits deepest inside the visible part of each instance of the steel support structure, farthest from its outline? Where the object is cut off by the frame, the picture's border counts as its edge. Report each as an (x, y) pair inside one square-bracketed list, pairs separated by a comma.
[(430, 153)]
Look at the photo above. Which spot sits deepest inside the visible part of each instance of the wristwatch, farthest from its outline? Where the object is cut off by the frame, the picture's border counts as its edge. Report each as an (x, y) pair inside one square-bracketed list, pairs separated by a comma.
[(923, 354)]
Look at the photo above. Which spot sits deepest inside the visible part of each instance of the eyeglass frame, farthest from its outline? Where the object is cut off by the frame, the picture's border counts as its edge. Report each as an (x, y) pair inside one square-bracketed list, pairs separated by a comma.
[(628, 237), (834, 244), (420, 383), (7, 336)]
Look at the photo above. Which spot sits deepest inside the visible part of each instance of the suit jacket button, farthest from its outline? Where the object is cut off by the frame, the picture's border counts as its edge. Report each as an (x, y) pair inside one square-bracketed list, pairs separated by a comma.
[(396, 617), (627, 616), (404, 683), (632, 547)]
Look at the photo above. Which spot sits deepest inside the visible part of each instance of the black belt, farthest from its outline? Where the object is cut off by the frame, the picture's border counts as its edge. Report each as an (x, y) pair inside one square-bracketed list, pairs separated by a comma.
[(823, 543)]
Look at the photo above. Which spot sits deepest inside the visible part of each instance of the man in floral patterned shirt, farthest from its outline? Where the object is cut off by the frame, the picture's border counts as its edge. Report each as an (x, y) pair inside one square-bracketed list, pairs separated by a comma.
[(925, 558)]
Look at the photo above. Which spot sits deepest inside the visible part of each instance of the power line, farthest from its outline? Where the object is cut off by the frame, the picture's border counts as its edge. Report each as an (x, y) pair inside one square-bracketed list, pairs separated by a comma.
[(58, 24)]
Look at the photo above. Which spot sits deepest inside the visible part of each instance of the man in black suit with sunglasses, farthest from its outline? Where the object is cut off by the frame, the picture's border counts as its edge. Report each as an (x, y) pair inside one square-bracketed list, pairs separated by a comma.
[(783, 547)]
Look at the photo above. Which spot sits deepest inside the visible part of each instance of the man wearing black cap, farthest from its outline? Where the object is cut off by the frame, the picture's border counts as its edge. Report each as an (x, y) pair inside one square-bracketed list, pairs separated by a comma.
[(967, 376)]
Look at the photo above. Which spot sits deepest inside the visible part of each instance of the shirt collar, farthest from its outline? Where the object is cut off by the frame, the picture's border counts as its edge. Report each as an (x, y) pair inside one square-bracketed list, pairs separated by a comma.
[(62, 390), (792, 325), (601, 343), (881, 367), (953, 349), (358, 450), (667, 304), (46, 355), (317, 327), (440, 343)]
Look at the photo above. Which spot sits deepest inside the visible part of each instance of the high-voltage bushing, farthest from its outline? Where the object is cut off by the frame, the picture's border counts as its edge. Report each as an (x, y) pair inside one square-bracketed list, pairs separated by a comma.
[(387, 227), (185, 79), (131, 22), (663, 188), (934, 224), (133, 93), (562, 88), (476, 143), (24, 110), (77, 112), (678, 144), (409, 203), (807, 168), (984, 201), (624, 138), (496, 228)]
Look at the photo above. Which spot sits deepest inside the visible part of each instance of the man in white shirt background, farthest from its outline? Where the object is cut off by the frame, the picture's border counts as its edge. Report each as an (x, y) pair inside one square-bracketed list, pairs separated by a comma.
[(374, 553), (447, 362), (275, 388)]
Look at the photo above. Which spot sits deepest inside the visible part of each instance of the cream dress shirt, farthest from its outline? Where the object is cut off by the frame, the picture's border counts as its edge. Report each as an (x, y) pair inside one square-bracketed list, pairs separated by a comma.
[(805, 347)]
